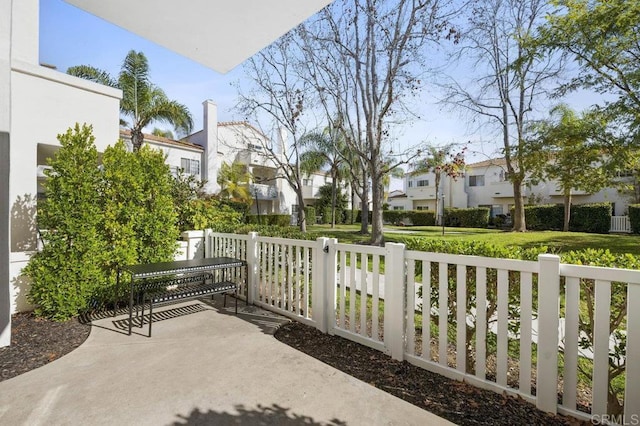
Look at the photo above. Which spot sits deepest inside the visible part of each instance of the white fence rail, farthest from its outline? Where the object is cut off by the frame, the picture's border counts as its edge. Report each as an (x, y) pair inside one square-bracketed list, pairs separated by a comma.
[(620, 224), (500, 324)]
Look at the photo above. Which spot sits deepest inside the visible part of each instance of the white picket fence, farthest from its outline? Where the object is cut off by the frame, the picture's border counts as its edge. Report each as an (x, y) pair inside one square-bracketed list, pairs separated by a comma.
[(620, 224), (304, 281)]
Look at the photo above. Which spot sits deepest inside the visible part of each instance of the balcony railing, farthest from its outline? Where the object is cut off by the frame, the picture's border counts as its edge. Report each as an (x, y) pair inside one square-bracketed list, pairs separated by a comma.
[(263, 192)]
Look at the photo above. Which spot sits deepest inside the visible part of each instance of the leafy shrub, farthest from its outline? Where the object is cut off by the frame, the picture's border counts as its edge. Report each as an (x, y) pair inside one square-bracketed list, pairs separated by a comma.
[(326, 215), (275, 231), (310, 213), (97, 221), (348, 217), (392, 216), (358, 214), (544, 217), (634, 217), (595, 218), (68, 271), (269, 219), (467, 218), (421, 217)]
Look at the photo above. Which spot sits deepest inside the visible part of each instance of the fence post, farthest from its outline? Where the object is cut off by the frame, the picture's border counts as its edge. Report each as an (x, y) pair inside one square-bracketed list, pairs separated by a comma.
[(253, 259), (394, 310), (330, 284), (208, 243), (548, 321), (318, 280), (195, 239)]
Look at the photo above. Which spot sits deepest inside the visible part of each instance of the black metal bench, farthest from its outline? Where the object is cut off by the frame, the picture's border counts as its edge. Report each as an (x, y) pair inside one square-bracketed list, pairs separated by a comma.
[(168, 282)]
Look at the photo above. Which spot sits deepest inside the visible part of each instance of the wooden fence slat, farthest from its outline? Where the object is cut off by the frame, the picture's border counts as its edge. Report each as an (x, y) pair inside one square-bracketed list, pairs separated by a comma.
[(570, 374), (601, 346), (503, 330)]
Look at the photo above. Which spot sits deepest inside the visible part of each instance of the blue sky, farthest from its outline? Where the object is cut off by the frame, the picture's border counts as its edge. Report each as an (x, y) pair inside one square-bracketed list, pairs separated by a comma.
[(70, 36)]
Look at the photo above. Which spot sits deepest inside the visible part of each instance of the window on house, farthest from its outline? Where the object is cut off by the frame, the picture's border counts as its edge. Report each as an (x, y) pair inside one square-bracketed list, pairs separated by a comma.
[(423, 182), (307, 182), (190, 166), (410, 184), (476, 180), (422, 207), (398, 207)]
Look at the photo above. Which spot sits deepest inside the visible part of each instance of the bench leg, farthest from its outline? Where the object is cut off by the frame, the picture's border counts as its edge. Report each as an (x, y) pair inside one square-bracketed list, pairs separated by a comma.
[(236, 301), (150, 316)]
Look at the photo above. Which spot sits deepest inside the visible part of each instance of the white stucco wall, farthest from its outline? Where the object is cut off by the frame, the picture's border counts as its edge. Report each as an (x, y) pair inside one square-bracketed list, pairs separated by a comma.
[(45, 103)]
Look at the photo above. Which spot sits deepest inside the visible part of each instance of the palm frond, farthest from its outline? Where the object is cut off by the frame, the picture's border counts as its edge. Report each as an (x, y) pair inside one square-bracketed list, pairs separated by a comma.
[(93, 74)]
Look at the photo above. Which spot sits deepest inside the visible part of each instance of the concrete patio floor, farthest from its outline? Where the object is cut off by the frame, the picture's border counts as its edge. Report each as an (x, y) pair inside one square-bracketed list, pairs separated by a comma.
[(203, 365)]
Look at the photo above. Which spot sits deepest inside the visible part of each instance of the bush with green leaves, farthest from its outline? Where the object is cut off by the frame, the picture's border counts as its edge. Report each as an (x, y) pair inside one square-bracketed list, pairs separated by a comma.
[(421, 217), (68, 272), (594, 218), (477, 217), (310, 214), (634, 218), (544, 217), (98, 220), (269, 219)]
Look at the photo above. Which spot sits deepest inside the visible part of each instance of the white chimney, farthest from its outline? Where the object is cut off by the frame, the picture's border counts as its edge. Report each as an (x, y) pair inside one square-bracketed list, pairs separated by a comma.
[(210, 164)]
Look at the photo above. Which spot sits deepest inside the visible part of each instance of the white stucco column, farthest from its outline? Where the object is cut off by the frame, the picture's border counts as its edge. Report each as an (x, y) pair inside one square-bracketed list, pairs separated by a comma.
[(210, 164), (5, 124)]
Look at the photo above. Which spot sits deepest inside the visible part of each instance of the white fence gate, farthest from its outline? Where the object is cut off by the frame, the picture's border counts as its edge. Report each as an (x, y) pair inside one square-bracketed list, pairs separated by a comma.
[(620, 224), (435, 310)]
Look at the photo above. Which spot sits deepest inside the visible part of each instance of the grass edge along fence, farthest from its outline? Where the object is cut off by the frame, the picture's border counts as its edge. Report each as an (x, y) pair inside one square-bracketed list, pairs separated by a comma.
[(544, 291)]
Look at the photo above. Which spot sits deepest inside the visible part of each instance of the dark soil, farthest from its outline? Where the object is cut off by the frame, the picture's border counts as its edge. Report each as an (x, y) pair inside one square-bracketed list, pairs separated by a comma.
[(37, 341), (455, 401)]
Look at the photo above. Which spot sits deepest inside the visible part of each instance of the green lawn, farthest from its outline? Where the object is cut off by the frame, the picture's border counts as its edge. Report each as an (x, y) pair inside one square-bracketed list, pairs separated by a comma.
[(556, 241)]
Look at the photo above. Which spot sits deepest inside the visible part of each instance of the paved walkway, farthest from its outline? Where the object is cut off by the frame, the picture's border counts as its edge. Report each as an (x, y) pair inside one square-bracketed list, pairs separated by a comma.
[(203, 365)]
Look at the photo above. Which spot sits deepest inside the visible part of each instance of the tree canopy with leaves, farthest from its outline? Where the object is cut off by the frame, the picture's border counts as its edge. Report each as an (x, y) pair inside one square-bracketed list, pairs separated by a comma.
[(603, 36), (142, 102), (234, 182), (570, 149), (508, 78)]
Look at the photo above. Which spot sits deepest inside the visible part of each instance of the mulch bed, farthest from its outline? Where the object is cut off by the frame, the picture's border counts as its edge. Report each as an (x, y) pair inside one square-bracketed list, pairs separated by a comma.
[(455, 401), (37, 341)]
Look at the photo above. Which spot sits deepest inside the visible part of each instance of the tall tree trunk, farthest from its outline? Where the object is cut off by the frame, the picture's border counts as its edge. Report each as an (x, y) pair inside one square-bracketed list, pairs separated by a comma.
[(519, 224), (137, 138), (377, 237), (302, 216), (364, 220), (567, 210), (439, 214), (333, 197)]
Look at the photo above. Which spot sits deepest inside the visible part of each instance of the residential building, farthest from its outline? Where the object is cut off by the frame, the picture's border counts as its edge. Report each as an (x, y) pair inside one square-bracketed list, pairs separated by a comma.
[(181, 156), (486, 184)]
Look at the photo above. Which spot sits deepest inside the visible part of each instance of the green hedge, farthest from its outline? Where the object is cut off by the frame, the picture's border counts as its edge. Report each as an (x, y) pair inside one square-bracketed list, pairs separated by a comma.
[(414, 217), (467, 218), (359, 216), (348, 216), (393, 216), (594, 218), (326, 216), (634, 217), (269, 219), (310, 213)]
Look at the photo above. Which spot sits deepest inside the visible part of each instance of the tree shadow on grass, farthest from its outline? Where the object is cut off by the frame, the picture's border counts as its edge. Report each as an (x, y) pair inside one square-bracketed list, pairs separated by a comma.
[(261, 415)]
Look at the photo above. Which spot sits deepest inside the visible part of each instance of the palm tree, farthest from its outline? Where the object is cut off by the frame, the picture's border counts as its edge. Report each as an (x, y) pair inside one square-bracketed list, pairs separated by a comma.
[(324, 149), (142, 101), (234, 182), (441, 161)]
